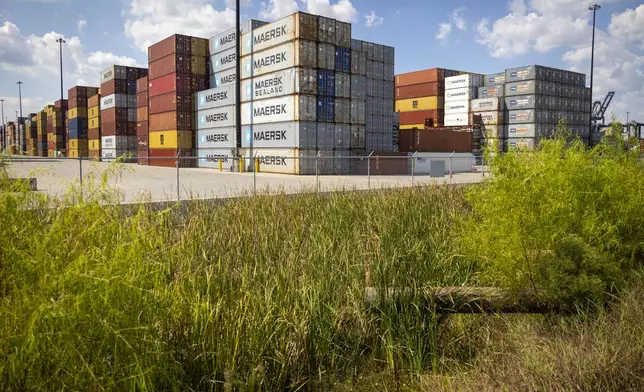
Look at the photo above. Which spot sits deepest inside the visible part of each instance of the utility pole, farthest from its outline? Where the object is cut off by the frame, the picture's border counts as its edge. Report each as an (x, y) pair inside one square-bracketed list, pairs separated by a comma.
[(61, 41), (22, 135), (593, 8), (4, 128), (238, 117)]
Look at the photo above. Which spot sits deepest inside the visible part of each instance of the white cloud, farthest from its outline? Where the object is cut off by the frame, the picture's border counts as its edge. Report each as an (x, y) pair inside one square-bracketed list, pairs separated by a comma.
[(373, 20), (276, 9), (444, 29), (81, 23), (341, 9), (458, 20), (629, 25), (149, 21)]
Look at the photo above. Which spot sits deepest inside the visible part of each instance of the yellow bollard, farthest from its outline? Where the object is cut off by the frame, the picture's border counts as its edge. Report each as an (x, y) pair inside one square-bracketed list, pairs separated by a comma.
[(221, 164), (256, 165), (241, 165)]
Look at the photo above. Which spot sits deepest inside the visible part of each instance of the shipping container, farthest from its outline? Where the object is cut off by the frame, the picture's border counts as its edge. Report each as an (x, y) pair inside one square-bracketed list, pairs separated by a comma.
[(77, 112), (171, 139), (326, 56), (422, 117), (142, 128), (94, 112), (286, 82), (294, 134), (171, 121), (142, 84), (215, 97), (358, 136), (420, 90), (114, 101), (218, 117), (461, 81), (526, 102), (296, 26), (342, 111), (342, 60), (358, 87), (492, 80), (223, 78), (218, 158), (78, 144), (94, 101), (94, 144), (358, 111), (94, 133), (295, 53), (171, 83), (216, 138), (526, 87), (326, 82), (114, 115), (457, 119), (142, 99), (425, 103), (358, 63), (173, 63), (222, 61), (282, 109), (114, 72), (112, 153), (457, 107), (325, 111), (343, 35), (115, 86), (118, 142), (176, 43), (228, 39), (526, 131), (494, 104), (420, 77), (529, 73), (170, 102), (342, 85), (516, 144), (141, 114), (489, 118), (459, 94)]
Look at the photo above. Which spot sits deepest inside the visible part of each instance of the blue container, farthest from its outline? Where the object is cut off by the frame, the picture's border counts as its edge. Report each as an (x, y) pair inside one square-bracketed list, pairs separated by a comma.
[(343, 60), (326, 83), (131, 87), (78, 128), (326, 109)]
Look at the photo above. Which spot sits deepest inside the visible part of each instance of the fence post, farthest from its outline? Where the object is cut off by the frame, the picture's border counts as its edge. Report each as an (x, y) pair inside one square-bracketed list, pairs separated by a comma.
[(450, 166), (255, 167), (80, 172), (369, 170), (177, 164), (483, 164), (317, 172), (413, 168)]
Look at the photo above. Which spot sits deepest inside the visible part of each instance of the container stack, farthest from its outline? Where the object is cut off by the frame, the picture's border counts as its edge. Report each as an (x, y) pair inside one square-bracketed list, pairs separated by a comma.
[(11, 138), (459, 91), (380, 97), (490, 110), (142, 120), (78, 120), (94, 125), (118, 110), (55, 128), (420, 98), (41, 133), (178, 69), (538, 97), (31, 130)]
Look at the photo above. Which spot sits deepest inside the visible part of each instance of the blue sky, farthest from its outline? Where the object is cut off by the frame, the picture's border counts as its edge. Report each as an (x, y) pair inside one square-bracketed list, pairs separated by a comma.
[(467, 35)]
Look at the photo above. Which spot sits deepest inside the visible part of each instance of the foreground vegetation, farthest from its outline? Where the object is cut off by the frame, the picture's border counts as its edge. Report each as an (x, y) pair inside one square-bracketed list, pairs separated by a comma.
[(266, 293)]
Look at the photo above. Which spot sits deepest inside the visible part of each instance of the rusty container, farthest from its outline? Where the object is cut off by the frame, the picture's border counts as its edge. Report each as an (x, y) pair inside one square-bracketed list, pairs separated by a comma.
[(142, 113), (114, 114), (180, 121), (169, 83), (114, 86), (171, 101), (94, 100), (142, 128), (95, 154), (442, 141), (114, 128), (167, 157), (142, 84), (173, 63), (420, 77), (420, 90), (406, 140), (142, 154), (142, 99), (175, 43), (420, 117), (94, 133)]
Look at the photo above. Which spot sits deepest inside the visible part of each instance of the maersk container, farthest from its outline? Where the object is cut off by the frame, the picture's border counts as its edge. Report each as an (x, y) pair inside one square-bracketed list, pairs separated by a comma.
[(286, 82), (342, 110), (526, 102), (460, 81), (296, 26), (223, 116), (462, 106), (489, 118), (113, 153), (213, 158), (225, 137), (492, 80), (215, 97), (459, 94), (358, 87), (223, 60), (227, 39), (119, 142), (358, 111), (457, 119), (292, 134), (526, 87), (281, 109), (528, 73), (494, 104), (326, 30), (297, 53), (326, 83), (114, 101), (289, 161), (114, 72), (326, 56), (224, 78), (342, 60), (325, 109), (358, 63)]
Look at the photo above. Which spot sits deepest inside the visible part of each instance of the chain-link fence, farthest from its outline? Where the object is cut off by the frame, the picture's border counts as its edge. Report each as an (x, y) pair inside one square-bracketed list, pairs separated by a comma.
[(217, 175)]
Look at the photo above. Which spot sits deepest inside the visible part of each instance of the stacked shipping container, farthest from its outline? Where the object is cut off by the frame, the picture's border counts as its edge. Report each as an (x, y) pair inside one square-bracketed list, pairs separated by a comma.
[(118, 110), (142, 120), (94, 125), (178, 69), (459, 91), (78, 120), (489, 108), (55, 128), (41, 133), (31, 130), (420, 98)]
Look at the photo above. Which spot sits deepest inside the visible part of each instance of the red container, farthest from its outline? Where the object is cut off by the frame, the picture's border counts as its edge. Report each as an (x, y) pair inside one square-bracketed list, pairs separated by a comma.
[(142, 128), (142, 114), (170, 83), (94, 134), (142, 154), (142, 141), (95, 154), (114, 86), (420, 117), (142, 84), (113, 128), (432, 89), (94, 100), (175, 62), (382, 164), (142, 99), (58, 104), (418, 77), (166, 157), (406, 140), (442, 141), (176, 43), (81, 92), (170, 102), (171, 121), (114, 114)]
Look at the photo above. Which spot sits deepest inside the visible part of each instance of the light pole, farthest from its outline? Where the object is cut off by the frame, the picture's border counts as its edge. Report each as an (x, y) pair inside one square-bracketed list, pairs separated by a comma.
[(593, 8), (61, 41), (20, 144), (4, 128), (238, 37)]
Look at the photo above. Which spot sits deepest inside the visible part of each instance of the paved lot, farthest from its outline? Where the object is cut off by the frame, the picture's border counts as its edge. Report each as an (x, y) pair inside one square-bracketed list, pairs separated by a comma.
[(135, 183)]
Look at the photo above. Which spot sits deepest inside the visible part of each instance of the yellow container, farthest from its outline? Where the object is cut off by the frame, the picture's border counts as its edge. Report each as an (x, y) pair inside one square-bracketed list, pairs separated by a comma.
[(94, 144), (198, 46), (198, 65), (76, 144), (414, 104), (171, 139), (94, 123), (78, 153), (94, 112), (418, 126), (77, 113)]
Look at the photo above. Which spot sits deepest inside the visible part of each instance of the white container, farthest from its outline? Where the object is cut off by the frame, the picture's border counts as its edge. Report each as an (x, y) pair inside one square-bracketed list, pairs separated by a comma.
[(215, 97), (460, 162), (116, 142), (216, 117), (286, 82), (278, 32), (224, 78), (460, 94), (513, 144), (294, 134), (114, 72), (210, 158), (292, 54), (289, 161), (114, 100), (457, 107), (227, 39), (493, 131), (487, 104), (460, 81), (490, 118), (223, 60), (282, 109), (216, 138), (457, 120), (112, 153)]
